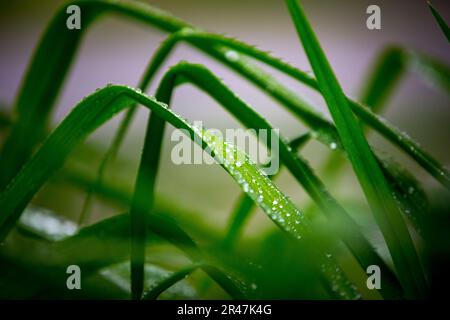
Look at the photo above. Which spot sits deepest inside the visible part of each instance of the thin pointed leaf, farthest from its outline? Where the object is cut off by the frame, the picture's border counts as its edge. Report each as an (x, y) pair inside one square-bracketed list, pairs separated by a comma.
[(364, 164), (441, 22)]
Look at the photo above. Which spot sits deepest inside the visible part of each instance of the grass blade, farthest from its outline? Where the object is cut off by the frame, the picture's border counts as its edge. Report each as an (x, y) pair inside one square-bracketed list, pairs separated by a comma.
[(168, 282), (441, 22), (48, 69), (386, 73), (364, 164)]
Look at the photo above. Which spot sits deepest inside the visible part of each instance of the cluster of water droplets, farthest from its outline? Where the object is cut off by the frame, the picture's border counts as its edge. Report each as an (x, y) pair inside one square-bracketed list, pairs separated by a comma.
[(339, 281), (257, 185)]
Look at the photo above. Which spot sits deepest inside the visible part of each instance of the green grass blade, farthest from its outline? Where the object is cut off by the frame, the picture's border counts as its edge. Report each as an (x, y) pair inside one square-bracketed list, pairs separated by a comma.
[(48, 69), (435, 71), (441, 22), (387, 71), (364, 164), (154, 293), (156, 61), (408, 192)]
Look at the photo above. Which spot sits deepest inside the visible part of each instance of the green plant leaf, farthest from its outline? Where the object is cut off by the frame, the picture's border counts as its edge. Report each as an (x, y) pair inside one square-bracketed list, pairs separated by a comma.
[(441, 22), (364, 163), (168, 282), (387, 71)]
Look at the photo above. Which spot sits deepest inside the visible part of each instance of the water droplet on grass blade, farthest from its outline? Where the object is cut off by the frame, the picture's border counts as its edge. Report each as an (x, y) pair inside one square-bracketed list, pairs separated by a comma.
[(232, 55)]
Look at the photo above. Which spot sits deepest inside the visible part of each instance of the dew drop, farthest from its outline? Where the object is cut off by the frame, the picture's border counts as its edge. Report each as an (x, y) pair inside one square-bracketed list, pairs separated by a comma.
[(333, 146), (232, 55)]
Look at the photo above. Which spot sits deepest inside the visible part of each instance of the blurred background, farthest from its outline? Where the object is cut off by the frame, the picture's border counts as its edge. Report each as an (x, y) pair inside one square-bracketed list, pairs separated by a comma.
[(116, 50)]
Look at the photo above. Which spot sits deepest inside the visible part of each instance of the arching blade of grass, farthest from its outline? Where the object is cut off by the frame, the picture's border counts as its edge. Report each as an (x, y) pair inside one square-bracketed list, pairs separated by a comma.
[(156, 61), (47, 72), (154, 293), (389, 68), (387, 71), (435, 71), (96, 110), (441, 22), (408, 193), (366, 168)]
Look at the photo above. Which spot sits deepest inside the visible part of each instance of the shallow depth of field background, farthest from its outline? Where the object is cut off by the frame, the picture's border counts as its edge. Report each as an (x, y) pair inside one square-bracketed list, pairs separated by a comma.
[(116, 50)]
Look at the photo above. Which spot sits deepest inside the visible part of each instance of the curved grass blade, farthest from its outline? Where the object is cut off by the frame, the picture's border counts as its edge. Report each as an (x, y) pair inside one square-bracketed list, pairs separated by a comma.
[(408, 192), (441, 22), (435, 71), (175, 277), (48, 70), (365, 166), (387, 71), (156, 61)]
